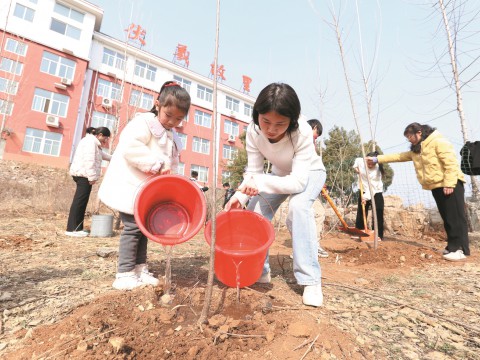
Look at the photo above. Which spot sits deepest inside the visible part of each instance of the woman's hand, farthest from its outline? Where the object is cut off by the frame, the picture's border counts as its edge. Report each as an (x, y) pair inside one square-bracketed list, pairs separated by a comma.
[(92, 182), (447, 190), (233, 203), (249, 188)]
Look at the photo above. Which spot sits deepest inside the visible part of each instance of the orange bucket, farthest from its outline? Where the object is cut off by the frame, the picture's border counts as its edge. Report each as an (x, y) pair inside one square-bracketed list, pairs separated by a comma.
[(243, 238), (170, 209)]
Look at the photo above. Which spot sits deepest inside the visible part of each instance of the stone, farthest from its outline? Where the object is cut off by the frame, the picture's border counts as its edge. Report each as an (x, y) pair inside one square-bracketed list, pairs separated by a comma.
[(117, 343), (106, 252)]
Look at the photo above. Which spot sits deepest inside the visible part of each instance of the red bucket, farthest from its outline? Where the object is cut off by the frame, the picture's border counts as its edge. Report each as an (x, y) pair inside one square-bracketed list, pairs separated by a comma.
[(243, 238), (170, 209)]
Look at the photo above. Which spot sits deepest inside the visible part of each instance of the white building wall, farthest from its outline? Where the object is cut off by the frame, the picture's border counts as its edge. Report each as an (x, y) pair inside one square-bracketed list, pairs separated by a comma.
[(39, 30)]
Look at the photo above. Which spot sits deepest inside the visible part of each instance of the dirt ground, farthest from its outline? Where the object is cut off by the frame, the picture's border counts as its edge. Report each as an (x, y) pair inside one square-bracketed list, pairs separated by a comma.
[(399, 301)]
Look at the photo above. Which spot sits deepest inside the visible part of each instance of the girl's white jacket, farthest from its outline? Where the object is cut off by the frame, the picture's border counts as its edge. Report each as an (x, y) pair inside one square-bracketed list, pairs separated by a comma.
[(87, 161), (144, 148)]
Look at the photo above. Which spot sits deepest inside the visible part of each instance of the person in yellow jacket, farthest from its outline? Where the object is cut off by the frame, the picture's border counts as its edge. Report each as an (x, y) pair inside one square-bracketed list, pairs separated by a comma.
[(437, 170)]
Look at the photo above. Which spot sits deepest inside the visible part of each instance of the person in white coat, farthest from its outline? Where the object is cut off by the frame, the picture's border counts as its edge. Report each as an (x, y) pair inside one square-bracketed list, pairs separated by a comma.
[(375, 172), (148, 146), (86, 169), (276, 134)]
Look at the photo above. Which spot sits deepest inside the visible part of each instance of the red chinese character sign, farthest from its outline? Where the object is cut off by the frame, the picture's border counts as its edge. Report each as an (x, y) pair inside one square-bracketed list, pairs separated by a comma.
[(136, 33), (220, 72), (181, 54), (246, 83)]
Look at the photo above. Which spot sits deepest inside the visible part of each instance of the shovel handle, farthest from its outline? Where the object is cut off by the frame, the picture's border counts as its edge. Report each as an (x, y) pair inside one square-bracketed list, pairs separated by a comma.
[(332, 204)]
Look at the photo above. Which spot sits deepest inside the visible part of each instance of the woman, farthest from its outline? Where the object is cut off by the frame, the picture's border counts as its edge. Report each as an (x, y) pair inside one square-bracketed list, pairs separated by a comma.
[(437, 170), (375, 173), (277, 135), (86, 169)]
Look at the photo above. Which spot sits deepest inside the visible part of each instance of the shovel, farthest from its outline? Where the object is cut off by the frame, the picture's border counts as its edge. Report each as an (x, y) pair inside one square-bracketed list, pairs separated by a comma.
[(345, 228)]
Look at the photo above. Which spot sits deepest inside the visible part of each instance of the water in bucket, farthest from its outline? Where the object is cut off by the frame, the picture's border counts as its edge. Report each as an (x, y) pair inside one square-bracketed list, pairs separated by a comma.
[(243, 238), (170, 209)]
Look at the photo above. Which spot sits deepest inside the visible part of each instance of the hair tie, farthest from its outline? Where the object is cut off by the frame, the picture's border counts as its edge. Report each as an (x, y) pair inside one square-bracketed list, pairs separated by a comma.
[(172, 84)]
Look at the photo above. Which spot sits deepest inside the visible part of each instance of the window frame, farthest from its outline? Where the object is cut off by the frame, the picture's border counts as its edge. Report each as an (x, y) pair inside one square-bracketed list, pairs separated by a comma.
[(201, 145), (51, 105), (204, 93), (201, 118), (63, 67), (185, 83), (202, 172), (17, 44), (54, 144), (26, 11), (11, 64)]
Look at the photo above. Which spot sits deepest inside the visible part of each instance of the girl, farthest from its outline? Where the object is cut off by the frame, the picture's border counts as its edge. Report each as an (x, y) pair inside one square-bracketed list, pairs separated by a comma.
[(148, 146), (437, 170), (297, 171), (86, 169), (375, 173)]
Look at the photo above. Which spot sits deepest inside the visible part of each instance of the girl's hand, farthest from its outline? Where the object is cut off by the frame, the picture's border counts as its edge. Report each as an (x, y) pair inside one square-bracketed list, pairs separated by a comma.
[(249, 188), (447, 191), (233, 203), (165, 170), (92, 182)]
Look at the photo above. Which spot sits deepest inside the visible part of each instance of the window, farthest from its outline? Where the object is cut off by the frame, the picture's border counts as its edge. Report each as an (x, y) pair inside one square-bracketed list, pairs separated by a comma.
[(183, 138), (6, 107), (33, 1), (203, 119), (57, 65), (247, 110), (226, 176), (231, 128), (232, 104), (145, 71), (183, 82), (11, 66), (108, 89), (8, 86), (24, 12), (103, 119), (65, 29), (202, 172), (204, 93), (229, 152), (50, 102), (201, 145), (42, 142), (16, 47), (181, 168), (113, 58), (68, 12), (141, 100)]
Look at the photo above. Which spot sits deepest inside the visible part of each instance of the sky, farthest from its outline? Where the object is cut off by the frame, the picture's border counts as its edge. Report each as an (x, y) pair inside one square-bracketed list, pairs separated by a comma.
[(398, 43)]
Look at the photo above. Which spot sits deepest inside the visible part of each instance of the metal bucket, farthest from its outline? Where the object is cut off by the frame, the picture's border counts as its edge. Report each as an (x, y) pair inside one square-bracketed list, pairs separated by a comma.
[(102, 226)]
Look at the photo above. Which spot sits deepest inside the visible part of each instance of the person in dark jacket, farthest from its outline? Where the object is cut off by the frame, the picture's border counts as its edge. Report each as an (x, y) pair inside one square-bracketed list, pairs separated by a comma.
[(228, 192)]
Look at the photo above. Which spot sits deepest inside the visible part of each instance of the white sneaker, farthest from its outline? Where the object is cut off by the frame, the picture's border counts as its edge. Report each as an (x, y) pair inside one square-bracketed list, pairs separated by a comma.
[(126, 281), (76, 233), (312, 295), (146, 277), (265, 278), (455, 256)]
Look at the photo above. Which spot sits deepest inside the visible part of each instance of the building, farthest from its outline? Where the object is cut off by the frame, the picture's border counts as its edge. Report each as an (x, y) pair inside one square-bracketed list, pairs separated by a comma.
[(60, 75)]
